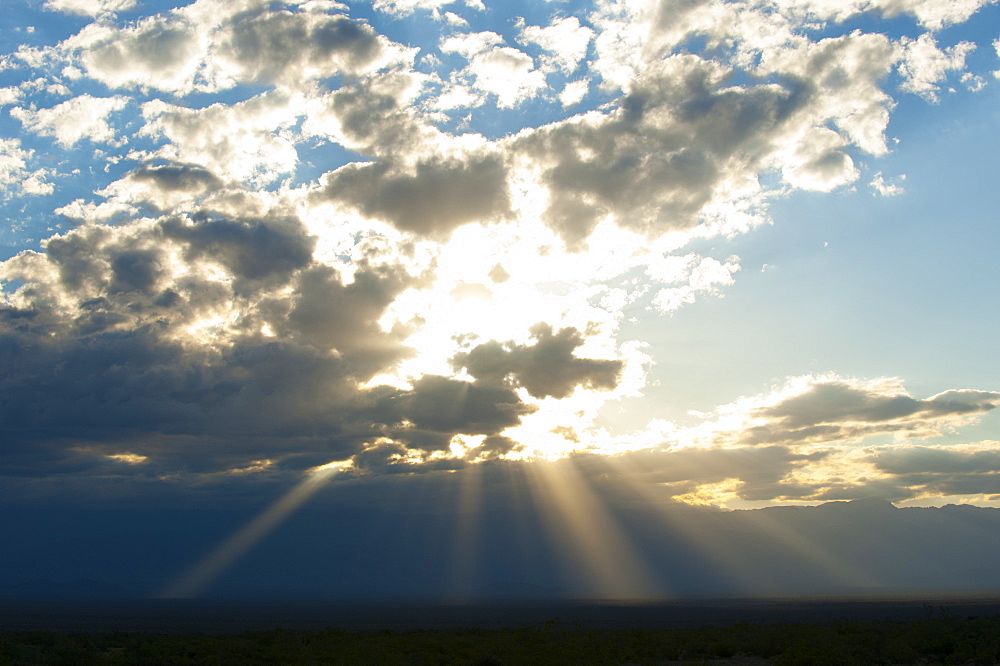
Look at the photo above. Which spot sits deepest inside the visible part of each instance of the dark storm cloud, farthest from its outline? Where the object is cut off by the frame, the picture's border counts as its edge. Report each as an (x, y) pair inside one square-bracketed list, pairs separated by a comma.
[(78, 259), (135, 270), (136, 390), (547, 368)]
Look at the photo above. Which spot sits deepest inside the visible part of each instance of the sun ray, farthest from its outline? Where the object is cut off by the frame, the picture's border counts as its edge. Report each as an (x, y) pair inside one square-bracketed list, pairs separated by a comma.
[(467, 538), (843, 572), (196, 579), (590, 538), (713, 546)]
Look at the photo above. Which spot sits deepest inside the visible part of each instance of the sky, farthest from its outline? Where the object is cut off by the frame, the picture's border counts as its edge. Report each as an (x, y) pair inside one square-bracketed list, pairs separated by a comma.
[(731, 255)]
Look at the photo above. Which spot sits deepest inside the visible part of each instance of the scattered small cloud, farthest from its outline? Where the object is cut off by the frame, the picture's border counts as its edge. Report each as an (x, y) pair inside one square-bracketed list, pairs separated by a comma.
[(924, 66), (883, 188)]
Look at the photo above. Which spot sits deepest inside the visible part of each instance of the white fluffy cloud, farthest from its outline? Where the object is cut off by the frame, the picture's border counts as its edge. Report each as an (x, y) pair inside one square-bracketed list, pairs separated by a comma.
[(924, 65), (89, 7), (242, 142), (695, 275), (15, 175), (574, 92), (932, 14), (82, 117), (884, 188), (9, 95), (565, 39), (161, 52), (404, 7), (503, 71)]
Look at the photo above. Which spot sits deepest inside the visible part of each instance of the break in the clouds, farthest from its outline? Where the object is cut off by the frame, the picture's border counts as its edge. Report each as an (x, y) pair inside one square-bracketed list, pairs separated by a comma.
[(261, 238)]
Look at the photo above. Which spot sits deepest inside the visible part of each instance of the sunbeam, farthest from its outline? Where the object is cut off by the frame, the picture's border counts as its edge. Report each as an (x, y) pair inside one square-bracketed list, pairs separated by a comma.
[(589, 538), (466, 540), (712, 546), (194, 581)]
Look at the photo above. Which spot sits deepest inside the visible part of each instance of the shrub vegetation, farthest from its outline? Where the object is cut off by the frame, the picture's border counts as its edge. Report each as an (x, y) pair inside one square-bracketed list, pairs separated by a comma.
[(971, 640)]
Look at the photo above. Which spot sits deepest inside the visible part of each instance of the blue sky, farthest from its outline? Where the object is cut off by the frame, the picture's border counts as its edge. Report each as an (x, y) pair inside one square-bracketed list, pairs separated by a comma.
[(255, 248)]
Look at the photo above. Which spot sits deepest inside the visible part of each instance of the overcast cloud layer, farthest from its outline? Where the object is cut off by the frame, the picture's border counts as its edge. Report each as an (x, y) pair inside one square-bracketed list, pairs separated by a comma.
[(403, 236)]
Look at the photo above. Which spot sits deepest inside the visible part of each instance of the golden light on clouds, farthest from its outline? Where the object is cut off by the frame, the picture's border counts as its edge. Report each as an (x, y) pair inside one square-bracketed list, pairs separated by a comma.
[(128, 458)]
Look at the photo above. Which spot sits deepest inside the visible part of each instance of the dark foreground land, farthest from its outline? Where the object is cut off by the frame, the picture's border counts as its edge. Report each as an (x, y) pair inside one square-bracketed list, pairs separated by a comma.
[(589, 634)]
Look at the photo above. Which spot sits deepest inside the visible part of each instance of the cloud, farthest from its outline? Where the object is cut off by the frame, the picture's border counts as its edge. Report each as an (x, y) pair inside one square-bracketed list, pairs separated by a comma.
[(285, 48), (470, 44), (932, 14), (883, 188), (935, 14), (695, 466), (834, 401), (165, 186), (825, 410), (574, 92), (161, 52), (924, 65), (405, 7), (696, 274), (241, 142), (548, 368), (449, 406), (210, 46), (503, 71), (16, 177), (431, 198), (73, 120), (88, 7), (566, 39), (981, 459), (928, 471), (9, 95), (374, 117), (655, 164), (195, 342), (249, 249)]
